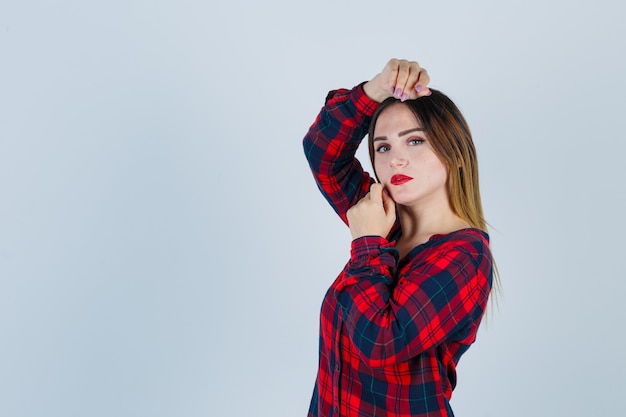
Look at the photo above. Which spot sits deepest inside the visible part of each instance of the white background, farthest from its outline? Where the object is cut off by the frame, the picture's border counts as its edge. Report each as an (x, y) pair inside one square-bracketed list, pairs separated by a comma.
[(164, 250)]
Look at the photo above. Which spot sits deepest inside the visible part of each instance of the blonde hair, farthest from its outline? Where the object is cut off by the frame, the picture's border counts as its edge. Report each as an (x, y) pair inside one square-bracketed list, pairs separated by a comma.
[(451, 139)]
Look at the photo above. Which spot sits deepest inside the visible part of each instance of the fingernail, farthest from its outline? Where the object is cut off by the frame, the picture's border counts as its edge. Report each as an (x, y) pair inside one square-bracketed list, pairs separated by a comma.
[(419, 88), (392, 89), (404, 97), (398, 92)]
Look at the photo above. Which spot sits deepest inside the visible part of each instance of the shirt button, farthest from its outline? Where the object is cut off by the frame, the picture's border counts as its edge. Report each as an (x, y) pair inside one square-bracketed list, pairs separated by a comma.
[(336, 409), (336, 367)]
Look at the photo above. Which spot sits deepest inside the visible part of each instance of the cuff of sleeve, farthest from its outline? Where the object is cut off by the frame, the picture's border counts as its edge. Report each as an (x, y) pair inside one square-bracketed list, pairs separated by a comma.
[(366, 247), (372, 259), (363, 103)]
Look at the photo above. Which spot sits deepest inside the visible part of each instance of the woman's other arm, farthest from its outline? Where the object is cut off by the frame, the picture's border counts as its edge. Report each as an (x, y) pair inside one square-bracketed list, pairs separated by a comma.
[(334, 137)]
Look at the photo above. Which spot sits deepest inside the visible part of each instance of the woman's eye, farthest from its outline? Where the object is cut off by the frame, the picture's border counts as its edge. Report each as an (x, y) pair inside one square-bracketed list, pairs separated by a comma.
[(415, 141), (382, 149)]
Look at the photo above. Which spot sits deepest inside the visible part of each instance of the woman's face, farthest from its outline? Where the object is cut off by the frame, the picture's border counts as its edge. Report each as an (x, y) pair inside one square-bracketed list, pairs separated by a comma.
[(405, 161)]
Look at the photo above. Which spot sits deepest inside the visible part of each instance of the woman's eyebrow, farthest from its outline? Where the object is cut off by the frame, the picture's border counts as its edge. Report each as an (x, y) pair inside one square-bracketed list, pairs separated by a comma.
[(404, 132)]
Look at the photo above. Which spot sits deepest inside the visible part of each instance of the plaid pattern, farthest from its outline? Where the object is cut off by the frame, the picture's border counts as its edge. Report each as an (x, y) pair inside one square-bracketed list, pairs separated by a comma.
[(391, 331)]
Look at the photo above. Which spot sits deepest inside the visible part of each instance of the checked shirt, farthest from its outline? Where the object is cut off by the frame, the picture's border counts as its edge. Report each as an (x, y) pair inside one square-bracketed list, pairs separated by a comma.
[(391, 330)]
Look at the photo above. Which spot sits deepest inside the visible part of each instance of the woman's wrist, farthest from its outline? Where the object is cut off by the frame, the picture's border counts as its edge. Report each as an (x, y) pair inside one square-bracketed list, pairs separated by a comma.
[(373, 91)]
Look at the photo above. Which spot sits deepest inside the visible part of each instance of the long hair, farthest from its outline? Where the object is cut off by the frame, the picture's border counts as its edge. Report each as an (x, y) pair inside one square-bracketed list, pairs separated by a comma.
[(451, 139)]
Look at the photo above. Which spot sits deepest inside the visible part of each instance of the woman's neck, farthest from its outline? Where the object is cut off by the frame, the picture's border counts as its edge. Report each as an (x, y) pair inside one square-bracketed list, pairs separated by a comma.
[(420, 223)]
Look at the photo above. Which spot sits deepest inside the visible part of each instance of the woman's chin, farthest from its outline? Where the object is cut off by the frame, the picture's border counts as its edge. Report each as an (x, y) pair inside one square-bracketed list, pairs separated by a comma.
[(402, 199)]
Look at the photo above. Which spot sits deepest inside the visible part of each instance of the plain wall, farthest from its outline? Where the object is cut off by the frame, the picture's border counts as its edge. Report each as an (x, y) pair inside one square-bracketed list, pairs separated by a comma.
[(164, 250)]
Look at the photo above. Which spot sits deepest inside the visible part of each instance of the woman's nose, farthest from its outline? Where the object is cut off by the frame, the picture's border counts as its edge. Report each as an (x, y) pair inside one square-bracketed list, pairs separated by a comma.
[(397, 159)]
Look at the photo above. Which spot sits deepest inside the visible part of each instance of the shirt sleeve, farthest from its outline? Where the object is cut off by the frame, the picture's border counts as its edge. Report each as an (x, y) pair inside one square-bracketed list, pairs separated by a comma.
[(439, 299), (331, 144)]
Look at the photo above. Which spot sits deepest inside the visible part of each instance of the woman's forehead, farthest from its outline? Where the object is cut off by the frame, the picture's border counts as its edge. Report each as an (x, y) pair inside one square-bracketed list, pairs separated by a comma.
[(397, 117)]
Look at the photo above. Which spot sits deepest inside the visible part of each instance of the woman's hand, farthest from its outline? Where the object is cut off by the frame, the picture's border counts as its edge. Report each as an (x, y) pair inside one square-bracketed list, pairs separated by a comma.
[(401, 79), (374, 215)]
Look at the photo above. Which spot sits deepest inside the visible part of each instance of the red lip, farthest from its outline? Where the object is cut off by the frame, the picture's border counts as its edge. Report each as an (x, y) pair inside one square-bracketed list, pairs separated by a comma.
[(399, 179)]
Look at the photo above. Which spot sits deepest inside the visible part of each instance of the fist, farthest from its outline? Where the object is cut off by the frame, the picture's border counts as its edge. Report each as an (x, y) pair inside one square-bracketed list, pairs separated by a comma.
[(374, 215), (401, 79)]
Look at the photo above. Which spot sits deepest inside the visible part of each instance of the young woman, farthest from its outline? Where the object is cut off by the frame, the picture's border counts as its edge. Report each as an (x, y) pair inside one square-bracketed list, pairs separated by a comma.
[(410, 299)]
